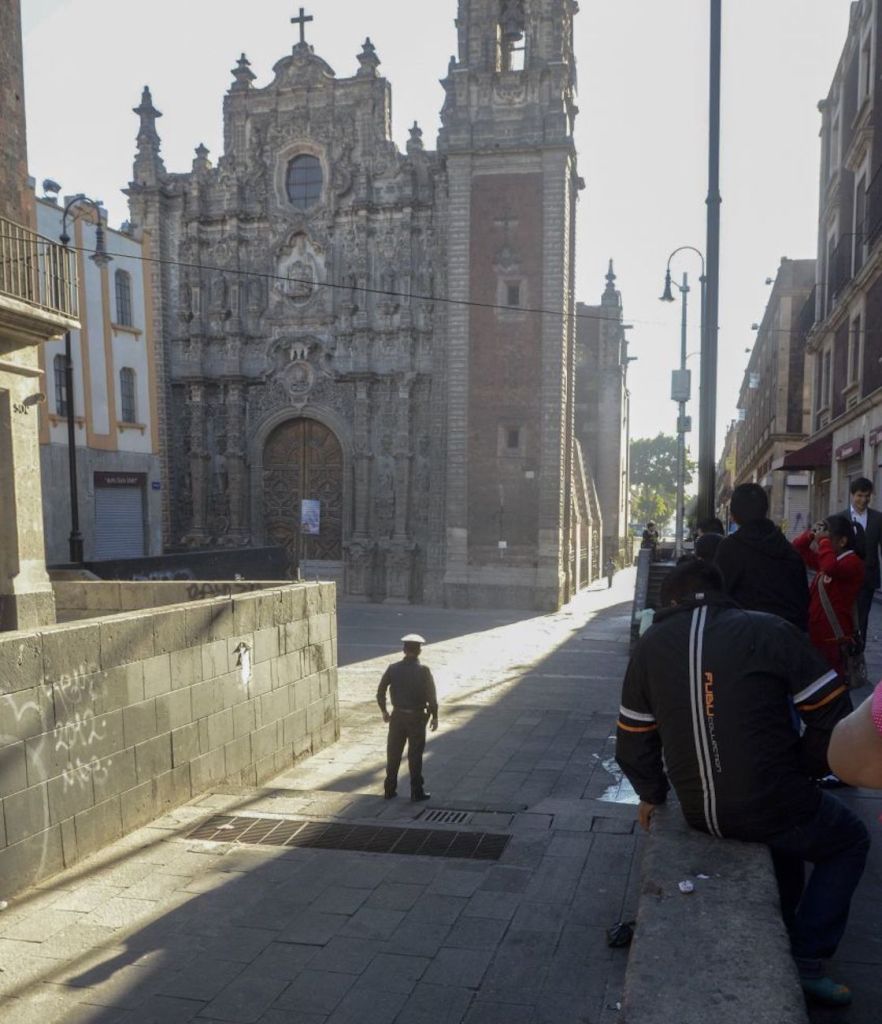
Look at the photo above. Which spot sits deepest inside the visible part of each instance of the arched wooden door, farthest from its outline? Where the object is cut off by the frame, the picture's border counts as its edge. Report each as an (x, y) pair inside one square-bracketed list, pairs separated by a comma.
[(303, 460)]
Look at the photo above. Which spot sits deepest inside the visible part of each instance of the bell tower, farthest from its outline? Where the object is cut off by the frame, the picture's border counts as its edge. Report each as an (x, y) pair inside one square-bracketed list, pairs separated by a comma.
[(507, 136)]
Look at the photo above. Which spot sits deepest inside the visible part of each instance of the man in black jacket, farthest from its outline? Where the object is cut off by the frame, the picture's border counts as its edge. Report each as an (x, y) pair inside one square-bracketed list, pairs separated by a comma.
[(868, 526), (761, 569), (709, 688)]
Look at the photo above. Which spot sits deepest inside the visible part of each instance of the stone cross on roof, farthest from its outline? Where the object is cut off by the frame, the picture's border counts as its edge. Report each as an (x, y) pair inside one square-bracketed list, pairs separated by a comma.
[(301, 21)]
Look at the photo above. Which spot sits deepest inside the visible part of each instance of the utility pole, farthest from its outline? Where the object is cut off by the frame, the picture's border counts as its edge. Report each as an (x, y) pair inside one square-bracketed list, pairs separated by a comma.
[(708, 385)]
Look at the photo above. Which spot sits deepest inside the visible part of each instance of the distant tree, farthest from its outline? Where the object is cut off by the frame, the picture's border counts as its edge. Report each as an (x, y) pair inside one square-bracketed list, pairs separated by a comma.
[(654, 479), (654, 463), (648, 505)]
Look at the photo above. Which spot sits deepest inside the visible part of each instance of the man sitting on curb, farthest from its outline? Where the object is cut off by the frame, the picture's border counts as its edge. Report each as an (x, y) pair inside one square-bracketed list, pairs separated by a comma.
[(709, 688)]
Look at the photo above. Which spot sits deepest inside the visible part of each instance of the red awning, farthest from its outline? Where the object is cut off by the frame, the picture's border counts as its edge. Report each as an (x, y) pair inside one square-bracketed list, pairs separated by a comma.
[(853, 447), (814, 454)]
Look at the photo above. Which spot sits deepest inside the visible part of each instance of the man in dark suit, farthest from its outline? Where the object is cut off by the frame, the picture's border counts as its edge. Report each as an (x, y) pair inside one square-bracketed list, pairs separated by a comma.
[(868, 526)]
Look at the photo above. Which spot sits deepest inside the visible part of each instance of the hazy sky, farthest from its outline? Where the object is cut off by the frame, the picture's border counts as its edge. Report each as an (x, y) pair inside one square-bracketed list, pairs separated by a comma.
[(642, 132)]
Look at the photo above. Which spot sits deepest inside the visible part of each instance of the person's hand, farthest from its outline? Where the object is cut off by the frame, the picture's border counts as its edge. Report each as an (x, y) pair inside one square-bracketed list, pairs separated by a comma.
[(387, 717), (644, 814), (433, 725)]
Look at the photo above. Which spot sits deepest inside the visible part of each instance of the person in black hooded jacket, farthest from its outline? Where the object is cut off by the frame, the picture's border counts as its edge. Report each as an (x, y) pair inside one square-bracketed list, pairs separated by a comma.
[(762, 571), (706, 707)]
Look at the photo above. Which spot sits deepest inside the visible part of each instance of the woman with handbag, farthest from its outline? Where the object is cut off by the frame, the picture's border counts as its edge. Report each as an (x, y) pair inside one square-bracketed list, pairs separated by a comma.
[(828, 549)]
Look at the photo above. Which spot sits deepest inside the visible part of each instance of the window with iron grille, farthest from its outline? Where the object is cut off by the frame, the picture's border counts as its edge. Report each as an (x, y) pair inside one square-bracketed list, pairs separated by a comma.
[(127, 395), (123, 283), (304, 181), (59, 369)]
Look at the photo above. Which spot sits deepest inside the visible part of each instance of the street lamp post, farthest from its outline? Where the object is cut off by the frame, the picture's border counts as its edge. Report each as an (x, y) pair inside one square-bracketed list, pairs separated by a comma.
[(710, 333), (101, 259), (681, 386)]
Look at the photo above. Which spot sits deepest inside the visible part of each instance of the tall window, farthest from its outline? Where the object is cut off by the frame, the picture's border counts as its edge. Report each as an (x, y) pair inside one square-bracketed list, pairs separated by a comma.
[(58, 368), (854, 349), (860, 216), (304, 182), (127, 395), (865, 67), (123, 284)]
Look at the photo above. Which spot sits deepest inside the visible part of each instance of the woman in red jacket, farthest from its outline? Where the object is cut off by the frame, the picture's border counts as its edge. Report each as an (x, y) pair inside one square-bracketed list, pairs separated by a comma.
[(828, 548)]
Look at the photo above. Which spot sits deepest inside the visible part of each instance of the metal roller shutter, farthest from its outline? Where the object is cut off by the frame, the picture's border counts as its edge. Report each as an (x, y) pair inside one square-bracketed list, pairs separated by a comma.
[(119, 522)]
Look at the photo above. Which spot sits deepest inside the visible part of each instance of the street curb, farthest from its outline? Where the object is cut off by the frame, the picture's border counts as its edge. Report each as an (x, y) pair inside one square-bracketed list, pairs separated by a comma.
[(719, 952)]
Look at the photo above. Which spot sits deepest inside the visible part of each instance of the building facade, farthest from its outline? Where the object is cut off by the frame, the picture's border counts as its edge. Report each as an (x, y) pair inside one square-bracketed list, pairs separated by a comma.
[(602, 412), (114, 401), (845, 342), (38, 300), (353, 360), (774, 399)]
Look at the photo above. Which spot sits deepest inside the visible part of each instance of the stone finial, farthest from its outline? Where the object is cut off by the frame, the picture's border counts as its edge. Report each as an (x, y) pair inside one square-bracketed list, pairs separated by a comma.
[(147, 134), (201, 163), (611, 296), (242, 74), (415, 142), (148, 163), (368, 60)]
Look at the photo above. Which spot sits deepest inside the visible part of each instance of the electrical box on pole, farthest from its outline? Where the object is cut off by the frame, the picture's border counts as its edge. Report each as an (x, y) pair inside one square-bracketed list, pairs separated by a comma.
[(681, 385), (684, 424)]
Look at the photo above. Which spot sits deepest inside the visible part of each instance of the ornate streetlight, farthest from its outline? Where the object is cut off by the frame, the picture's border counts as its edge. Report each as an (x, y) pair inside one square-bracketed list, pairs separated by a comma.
[(101, 258), (681, 384)]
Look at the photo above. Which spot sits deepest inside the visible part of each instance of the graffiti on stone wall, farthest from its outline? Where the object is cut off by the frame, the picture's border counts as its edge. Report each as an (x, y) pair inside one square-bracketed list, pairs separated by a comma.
[(204, 591)]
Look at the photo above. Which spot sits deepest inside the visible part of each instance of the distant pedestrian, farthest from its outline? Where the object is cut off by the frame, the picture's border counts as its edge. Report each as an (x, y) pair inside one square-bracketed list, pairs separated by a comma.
[(868, 524), (706, 704), (414, 705), (650, 539), (828, 549), (708, 534), (610, 570), (762, 571)]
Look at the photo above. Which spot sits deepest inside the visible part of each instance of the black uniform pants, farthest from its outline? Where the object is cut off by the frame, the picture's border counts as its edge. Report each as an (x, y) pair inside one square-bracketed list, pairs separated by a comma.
[(405, 727), (864, 604)]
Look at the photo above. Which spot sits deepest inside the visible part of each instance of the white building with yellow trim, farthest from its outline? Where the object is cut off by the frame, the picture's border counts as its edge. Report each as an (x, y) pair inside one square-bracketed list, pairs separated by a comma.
[(114, 403)]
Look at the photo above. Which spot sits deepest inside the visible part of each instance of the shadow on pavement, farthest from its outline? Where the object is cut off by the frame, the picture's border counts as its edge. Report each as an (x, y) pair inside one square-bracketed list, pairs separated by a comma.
[(246, 933)]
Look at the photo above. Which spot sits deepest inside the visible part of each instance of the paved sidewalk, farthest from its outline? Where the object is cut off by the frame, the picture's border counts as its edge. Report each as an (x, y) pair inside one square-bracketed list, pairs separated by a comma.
[(163, 928)]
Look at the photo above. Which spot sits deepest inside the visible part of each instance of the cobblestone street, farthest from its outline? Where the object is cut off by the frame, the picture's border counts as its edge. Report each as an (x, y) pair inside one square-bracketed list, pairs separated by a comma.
[(162, 927)]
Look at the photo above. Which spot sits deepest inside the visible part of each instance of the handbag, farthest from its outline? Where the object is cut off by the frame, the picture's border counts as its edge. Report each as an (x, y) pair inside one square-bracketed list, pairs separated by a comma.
[(853, 648)]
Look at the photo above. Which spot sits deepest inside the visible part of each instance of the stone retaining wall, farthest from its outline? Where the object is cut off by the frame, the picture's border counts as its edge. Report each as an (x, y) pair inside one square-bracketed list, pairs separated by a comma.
[(107, 723), (719, 953), (86, 599)]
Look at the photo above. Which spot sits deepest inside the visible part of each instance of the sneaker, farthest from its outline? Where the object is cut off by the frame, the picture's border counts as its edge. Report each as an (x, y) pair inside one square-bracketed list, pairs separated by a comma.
[(831, 781), (826, 991), (420, 795)]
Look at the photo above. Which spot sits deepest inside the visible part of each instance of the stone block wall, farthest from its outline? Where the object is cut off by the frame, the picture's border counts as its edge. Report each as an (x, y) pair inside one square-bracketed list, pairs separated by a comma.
[(107, 723), (13, 152), (86, 599)]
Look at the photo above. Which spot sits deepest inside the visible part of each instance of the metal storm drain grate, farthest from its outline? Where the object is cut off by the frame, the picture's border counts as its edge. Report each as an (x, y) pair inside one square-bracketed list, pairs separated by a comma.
[(443, 817), (363, 838)]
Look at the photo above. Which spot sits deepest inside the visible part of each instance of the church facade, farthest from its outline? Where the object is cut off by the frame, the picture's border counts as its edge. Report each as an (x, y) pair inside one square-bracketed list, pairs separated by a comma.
[(368, 355)]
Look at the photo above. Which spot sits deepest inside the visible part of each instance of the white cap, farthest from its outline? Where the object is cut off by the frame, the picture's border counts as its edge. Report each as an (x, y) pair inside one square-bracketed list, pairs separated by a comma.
[(412, 638)]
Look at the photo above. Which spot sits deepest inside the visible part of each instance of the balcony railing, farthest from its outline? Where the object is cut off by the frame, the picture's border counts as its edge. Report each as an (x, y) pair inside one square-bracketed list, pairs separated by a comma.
[(36, 270)]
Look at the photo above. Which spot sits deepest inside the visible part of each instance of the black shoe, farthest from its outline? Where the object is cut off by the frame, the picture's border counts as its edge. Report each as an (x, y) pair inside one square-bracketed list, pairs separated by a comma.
[(389, 796), (420, 794)]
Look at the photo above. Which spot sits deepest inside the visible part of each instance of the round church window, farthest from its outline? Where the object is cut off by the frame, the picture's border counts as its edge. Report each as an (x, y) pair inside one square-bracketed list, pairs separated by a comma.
[(304, 181)]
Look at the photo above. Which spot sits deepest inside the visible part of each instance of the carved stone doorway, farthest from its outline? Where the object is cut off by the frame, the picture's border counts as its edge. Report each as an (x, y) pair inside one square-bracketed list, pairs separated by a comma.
[(303, 460)]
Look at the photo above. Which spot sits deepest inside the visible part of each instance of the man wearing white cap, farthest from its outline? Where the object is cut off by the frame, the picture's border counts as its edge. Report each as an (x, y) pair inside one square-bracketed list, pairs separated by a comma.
[(414, 703)]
